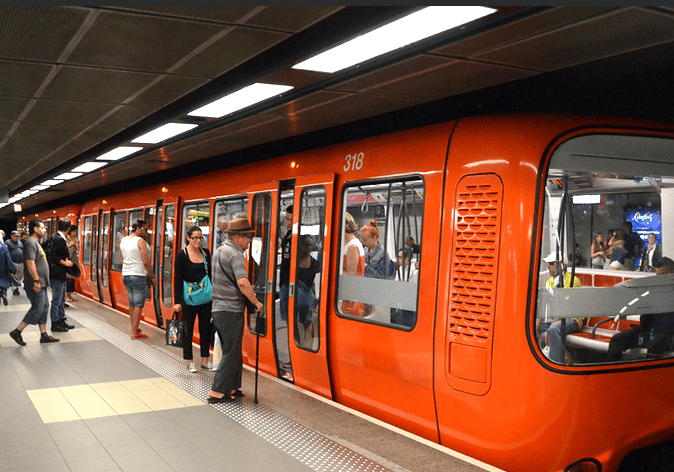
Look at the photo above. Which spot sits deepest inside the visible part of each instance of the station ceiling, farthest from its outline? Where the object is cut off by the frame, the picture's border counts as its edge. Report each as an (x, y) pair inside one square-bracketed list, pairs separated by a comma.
[(76, 82)]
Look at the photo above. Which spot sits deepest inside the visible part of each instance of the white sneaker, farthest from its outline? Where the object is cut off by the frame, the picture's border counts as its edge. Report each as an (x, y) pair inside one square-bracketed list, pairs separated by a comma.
[(210, 367), (192, 369)]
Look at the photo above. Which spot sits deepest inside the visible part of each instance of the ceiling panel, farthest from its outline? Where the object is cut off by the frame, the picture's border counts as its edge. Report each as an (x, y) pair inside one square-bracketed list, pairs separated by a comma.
[(617, 32), (96, 85), (21, 79), (38, 33), (131, 42), (230, 48), (291, 18)]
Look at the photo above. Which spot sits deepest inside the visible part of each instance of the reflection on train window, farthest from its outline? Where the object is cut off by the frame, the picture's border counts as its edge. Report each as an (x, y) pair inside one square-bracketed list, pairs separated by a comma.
[(196, 214), (258, 262), (118, 228), (225, 211), (308, 268), (86, 246), (620, 306), (380, 220), (167, 256)]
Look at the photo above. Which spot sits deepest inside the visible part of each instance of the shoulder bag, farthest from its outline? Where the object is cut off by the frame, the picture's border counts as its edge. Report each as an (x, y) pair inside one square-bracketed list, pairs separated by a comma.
[(198, 293), (174, 331)]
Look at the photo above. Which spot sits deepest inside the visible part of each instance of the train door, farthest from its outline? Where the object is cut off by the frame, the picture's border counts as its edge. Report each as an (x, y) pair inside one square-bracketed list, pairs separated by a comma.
[(153, 217), (281, 280), (307, 307), (261, 262), (102, 266), (95, 260), (167, 234), (86, 285)]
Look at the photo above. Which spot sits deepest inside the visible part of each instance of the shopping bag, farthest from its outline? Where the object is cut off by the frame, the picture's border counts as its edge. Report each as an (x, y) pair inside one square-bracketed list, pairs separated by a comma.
[(217, 349), (174, 331)]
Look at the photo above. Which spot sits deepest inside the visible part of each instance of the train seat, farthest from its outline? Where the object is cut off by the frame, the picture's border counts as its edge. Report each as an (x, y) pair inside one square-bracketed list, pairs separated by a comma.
[(596, 333)]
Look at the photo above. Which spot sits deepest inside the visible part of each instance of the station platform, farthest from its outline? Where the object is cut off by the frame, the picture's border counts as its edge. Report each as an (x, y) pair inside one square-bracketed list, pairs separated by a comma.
[(99, 401)]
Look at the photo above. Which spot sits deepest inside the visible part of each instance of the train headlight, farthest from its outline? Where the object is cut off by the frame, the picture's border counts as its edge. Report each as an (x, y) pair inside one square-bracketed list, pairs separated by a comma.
[(584, 465)]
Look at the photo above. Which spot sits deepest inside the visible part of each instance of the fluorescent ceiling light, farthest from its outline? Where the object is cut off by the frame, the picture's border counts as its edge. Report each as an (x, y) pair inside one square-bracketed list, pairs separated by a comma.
[(89, 166), (118, 153), (49, 183), (40, 187), (164, 132), (240, 99), (68, 175), (412, 28)]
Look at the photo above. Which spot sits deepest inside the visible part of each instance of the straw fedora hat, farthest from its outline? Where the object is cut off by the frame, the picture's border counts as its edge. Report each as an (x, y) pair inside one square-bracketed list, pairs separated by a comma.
[(239, 226)]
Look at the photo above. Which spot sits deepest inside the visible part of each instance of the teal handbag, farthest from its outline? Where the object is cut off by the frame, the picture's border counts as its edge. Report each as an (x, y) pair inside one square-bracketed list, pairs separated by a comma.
[(198, 293)]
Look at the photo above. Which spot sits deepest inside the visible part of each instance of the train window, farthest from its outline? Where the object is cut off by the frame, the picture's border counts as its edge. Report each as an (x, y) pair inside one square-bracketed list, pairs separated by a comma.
[(225, 211), (94, 249), (258, 262), (196, 214), (308, 275), (606, 272), (86, 247), (134, 215), (118, 229), (379, 220), (149, 219), (103, 244), (167, 256)]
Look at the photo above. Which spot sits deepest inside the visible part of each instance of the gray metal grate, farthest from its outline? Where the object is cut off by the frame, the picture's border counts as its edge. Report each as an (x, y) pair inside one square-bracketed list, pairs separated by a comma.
[(306, 446)]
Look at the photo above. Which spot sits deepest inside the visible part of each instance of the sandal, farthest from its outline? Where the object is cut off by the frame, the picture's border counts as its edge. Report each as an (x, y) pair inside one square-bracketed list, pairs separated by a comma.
[(222, 399), (138, 336), (238, 393)]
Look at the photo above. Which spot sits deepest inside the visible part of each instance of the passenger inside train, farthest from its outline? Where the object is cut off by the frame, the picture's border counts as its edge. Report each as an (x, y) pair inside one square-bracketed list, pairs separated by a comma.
[(397, 209), (595, 183)]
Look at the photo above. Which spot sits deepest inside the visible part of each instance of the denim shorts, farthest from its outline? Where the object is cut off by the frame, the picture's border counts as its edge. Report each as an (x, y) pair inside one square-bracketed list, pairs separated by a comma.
[(136, 289)]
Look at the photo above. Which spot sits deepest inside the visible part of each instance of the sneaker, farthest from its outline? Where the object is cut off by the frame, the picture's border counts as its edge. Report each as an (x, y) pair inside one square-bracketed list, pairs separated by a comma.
[(4, 300), (16, 336), (65, 323), (66, 305), (192, 369), (287, 376), (59, 327), (47, 338), (210, 367)]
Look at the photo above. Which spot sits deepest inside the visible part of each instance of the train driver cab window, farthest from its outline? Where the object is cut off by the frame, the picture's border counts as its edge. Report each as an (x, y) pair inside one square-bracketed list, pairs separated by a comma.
[(196, 214), (606, 274), (118, 229), (380, 251)]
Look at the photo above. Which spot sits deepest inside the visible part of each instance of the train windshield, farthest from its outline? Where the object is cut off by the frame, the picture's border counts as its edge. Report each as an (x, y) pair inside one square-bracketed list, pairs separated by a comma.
[(606, 275)]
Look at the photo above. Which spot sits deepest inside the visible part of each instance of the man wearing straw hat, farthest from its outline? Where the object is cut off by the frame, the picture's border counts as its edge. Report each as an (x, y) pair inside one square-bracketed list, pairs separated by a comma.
[(230, 286)]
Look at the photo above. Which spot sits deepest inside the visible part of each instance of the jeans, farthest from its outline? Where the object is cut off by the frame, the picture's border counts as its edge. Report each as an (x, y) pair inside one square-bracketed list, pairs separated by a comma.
[(136, 289), (58, 299), (39, 307), (555, 333), (284, 293)]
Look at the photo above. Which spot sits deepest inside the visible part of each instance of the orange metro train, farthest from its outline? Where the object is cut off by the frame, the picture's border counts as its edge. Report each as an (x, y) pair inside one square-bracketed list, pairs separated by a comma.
[(452, 346)]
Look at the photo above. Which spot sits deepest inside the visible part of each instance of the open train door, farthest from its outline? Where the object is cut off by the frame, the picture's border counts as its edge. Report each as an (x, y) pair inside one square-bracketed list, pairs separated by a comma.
[(262, 200), (307, 306), (102, 264), (163, 252)]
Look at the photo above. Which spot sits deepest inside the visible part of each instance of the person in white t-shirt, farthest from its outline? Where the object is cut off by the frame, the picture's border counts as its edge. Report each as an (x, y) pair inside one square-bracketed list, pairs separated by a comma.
[(136, 270)]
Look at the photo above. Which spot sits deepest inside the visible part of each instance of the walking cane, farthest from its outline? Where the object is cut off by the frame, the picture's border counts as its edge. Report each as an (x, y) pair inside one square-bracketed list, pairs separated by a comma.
[(258, 321)]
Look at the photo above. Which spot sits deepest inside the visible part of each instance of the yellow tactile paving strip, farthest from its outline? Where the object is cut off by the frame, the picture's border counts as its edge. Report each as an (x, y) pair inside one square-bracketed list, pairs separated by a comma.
[(109, 399), (31, 335)]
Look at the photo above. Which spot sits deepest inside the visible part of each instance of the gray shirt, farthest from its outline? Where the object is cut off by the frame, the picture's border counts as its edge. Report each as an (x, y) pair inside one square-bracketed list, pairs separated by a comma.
[(226, 296), (33, 251)]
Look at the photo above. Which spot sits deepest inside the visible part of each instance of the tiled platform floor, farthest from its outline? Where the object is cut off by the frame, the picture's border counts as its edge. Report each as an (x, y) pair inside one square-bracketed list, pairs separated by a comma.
[(99, 401)]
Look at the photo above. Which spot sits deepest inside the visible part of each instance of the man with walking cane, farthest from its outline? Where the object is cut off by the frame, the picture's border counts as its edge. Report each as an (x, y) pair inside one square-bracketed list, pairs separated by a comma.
[(231, 288)]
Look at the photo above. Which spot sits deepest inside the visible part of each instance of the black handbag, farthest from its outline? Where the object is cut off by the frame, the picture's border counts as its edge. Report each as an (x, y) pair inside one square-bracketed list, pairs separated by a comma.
[(174, 331)]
